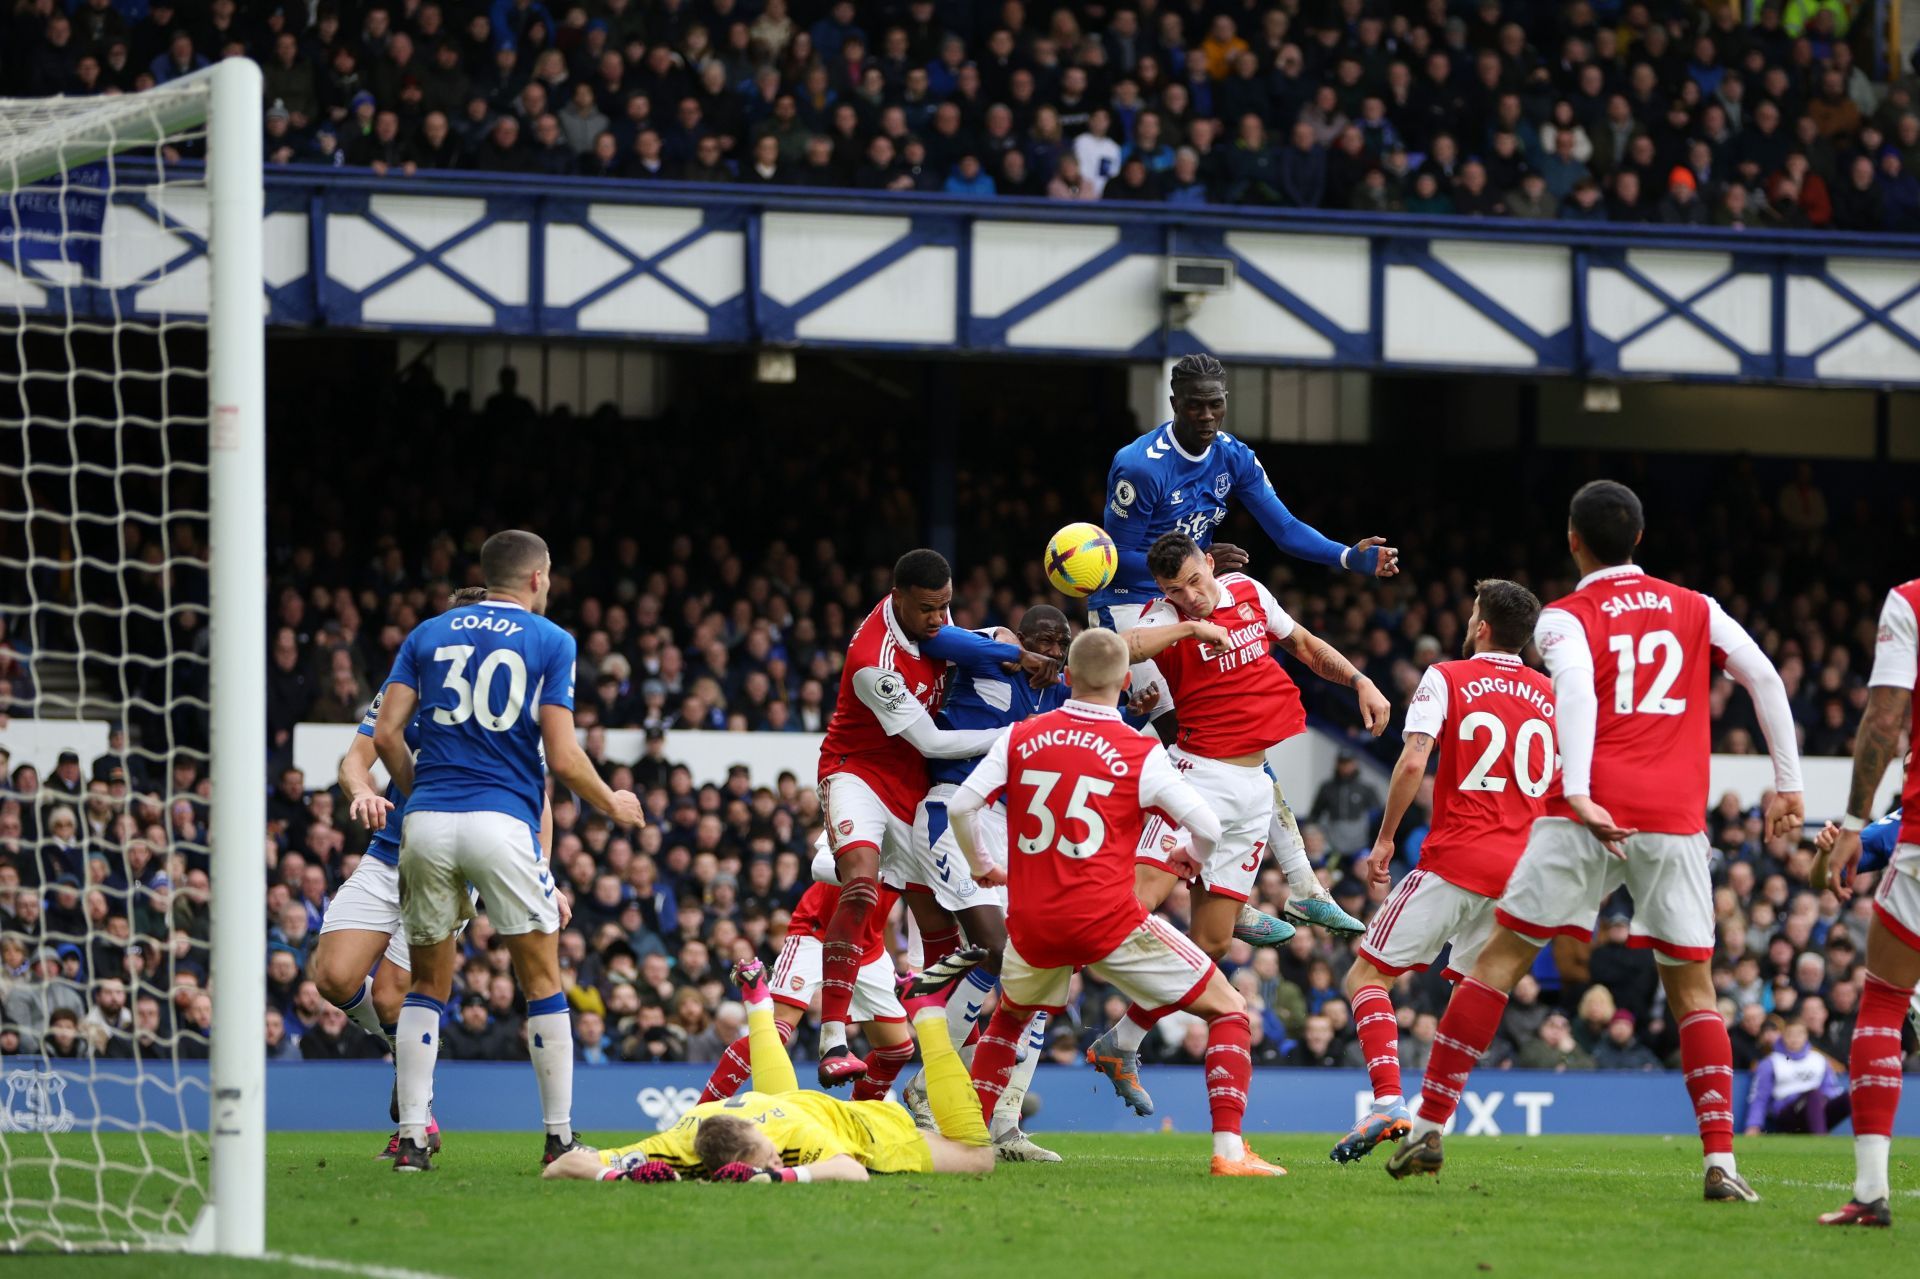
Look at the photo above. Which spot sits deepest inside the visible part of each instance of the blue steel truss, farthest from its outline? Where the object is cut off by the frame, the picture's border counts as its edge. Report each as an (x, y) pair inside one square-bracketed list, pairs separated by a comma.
[(909, 250)]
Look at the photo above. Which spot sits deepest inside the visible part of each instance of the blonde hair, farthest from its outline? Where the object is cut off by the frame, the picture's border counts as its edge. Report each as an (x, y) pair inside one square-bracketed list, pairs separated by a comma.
[(1097, 660)]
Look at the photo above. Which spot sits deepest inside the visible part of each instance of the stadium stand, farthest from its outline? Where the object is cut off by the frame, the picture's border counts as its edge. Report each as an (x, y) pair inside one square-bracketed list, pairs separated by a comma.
[(1655, 111), (737, 619)]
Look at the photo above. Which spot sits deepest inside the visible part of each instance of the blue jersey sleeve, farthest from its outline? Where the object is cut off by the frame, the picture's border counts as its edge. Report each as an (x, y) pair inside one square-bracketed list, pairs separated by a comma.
[(1289, 533), (372, 716), (556, 675), (1131, 497), (1877, 841), (406, 669), (969, 650)]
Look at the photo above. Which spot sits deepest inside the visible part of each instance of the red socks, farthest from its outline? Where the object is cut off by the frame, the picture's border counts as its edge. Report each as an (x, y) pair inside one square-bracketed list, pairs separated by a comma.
[(736, 1066), (1229, 1065), (1471, 1021), (935, 947), (1873, 1063), (840, 947), (883, 1067), (1379, 1032), (1706, 1058), (994, 1055)]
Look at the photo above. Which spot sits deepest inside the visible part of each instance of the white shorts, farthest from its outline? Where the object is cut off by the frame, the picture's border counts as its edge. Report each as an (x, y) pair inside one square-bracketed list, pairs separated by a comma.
[(1896, 899), (855, 815), (442, 854), (1242, 798), (1564, 876), (370, 902), (796, 975), (1155, 967), (1420, 916), (1121, 618), (937, 865)]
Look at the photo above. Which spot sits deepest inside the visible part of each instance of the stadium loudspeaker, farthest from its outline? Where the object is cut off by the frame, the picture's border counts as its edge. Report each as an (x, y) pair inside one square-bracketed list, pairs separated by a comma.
[(776, 366)]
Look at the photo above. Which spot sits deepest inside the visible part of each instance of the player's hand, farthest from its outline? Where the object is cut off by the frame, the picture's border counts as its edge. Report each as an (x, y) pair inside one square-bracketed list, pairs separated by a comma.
[(1388, 562), (1042, 671), (626, 810), (1380, 861), (1228, 558), (371, 811), (996, 877), (1829, 836), (747, 1173), (1145, 701), (1209, 633), (1786, 814), (1843, 862), (1374, 710), (1599, 821), (566, 909), (1181, 865)]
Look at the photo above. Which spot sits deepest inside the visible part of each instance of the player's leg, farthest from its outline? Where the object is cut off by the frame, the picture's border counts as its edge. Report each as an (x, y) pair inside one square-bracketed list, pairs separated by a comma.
[(1378, 1031), (1308, 901), (796, 975), (963, 1143), (1011, 1143), (1873, 1059), (1673, 916), (767, 1048), (342, 968), (931, 876), (876, 1006), (1024, 991), (857, 823), (433, 904)]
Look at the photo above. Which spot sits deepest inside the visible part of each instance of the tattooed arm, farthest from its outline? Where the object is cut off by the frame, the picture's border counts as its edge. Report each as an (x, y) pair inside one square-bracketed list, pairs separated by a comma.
[(1324, 660), (1877, 742)]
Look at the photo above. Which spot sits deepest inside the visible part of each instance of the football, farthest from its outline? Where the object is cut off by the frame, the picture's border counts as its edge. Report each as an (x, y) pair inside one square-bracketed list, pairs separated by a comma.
[(1080, 559)]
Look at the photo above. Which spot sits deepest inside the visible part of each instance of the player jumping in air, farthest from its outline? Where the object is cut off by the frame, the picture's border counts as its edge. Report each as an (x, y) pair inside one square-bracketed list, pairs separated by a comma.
[(1632, 660), (1893, 938), (1214, 638), (873, 774), (360, 964), (1178, 478), (492, 682), (1491, 720), (779, 1132), (1078, 784)]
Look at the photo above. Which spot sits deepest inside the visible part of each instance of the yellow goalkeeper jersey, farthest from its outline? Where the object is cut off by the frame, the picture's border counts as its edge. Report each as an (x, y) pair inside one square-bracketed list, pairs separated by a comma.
[(806, 1127)]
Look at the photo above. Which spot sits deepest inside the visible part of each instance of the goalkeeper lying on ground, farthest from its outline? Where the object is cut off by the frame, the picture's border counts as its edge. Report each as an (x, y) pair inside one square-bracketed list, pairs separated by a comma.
[(780, 1132)]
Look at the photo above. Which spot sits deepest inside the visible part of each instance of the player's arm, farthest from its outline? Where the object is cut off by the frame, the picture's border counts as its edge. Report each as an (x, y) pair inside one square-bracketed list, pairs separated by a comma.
[(1562, 642), (1326, 661), (1144, 643), (982, 787), (1752, 671), (1426, 714), (398, 701), (983, 654), (1163, 790), (1369, 556), (365, 803), (1128, 518), (901, 715), (1877, 741), (832, 1168)]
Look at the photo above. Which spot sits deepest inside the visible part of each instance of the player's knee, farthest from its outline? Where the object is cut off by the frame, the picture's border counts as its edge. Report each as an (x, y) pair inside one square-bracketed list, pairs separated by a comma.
[(331, 978), (860, 895)]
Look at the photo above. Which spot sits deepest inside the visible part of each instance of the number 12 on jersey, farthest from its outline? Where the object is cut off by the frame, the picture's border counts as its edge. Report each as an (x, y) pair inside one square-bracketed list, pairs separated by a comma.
[(1655, 646)]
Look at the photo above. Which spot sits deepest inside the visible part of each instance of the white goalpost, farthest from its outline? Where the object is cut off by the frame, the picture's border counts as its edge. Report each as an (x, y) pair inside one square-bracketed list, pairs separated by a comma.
[(132, 584)]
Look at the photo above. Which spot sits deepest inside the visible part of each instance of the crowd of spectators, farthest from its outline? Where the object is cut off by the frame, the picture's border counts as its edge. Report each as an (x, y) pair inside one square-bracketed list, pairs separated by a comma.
[(728, 607), (1732, 112)]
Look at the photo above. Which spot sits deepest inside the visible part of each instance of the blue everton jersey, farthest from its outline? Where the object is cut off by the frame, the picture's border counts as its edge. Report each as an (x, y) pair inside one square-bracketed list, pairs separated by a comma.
[(1156, 487), (386, 841), (984, 696), (483, 672), (1877, 841)]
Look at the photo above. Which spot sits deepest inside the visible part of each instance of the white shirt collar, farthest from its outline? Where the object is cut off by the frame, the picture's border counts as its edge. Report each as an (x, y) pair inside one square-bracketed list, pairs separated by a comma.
[(893, 627), (503, 604), (1091, 709), (1174, 440), (1504, 659), (1613, 570)]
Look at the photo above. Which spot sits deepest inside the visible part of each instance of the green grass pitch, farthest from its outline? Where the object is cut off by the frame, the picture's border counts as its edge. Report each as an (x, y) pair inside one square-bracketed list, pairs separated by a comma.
[(1119, 1206)]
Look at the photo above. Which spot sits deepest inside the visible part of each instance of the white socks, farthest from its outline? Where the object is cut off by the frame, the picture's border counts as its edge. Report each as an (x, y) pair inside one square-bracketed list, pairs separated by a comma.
[(1283, 837), (833, 1034), (1422, 1126), (1128, 1035), (550, 1043), (1228, 1145), (416, 1048), (1006, 1113), (361, 1012), (963, 1006), (1724, 1162), (1870, 1168)]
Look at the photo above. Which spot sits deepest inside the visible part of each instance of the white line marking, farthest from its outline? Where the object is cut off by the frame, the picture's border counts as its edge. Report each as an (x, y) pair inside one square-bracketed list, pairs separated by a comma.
[(335, 1266)]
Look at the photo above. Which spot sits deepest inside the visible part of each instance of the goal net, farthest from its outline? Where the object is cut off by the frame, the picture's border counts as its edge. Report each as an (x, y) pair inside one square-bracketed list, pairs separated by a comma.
[(132, 682)]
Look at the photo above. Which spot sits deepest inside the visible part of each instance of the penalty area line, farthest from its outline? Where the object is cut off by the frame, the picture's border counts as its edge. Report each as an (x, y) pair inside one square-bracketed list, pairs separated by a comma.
[(332, 1265)]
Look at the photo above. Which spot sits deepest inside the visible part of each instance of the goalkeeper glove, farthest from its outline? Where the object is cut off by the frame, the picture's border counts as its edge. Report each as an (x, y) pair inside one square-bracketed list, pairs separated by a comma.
[(758, 1176), (649, 1171)]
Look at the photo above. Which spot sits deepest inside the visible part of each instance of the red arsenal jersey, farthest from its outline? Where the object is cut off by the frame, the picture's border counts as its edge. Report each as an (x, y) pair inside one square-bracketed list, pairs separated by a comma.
[(1648, 648), (1235, 700), (885, 675), (1079, 784), (816, 908), (1894, 666), (1491, 719)]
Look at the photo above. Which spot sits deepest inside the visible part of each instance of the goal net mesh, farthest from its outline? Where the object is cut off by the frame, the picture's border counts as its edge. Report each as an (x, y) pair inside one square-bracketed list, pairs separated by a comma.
[(104, 888)]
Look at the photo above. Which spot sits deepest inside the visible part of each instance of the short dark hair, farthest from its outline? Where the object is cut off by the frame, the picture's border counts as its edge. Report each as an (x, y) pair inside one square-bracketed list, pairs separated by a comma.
[(922, 568), (1607, 516), (1198, 367), (466, 595), (1042, 615), (509, 555), (1509, 609), (722, 1140), (1168, 552)]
